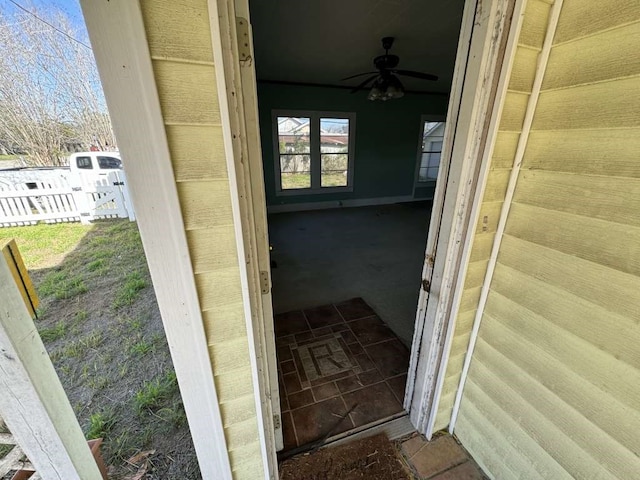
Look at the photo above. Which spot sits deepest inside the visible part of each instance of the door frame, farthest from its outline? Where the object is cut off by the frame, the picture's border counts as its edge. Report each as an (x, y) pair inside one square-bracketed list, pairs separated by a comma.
[(462, 176)]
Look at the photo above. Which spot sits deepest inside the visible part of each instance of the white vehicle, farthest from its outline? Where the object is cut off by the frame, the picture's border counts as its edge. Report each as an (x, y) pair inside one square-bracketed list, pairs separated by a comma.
[(95, 163)]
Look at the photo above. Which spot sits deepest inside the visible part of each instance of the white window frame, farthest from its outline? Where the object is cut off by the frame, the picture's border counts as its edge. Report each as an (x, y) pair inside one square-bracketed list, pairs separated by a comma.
[(423, 119), (314, 153)]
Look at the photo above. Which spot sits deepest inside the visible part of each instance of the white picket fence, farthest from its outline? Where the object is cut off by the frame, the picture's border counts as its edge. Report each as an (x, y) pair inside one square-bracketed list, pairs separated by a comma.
[(71, 199)]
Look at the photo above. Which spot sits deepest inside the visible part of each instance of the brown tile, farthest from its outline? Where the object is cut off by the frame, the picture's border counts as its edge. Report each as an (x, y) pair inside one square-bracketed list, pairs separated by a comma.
[(348, 337), (325, 391), (391, 358), (283, 353), (291, 383), (398, 385), (373, 403), (466, 471), (371, 330), (354, 309), (288, 432), (286, 340), (300, 399), (304, 336), (284, 403), (302, 374), (364, 361), (358, 381), (287, 367), (319, 332), (413, 445), (330, 378), (290, 323), (356, 349), (324, 316), (341, 327), (437, 456), (316, 339), (323, 418)]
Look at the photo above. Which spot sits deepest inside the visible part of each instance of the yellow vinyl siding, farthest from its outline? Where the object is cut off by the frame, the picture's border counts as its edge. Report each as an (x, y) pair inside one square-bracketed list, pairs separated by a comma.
[(556, 369), (514, 109), (179, 40)]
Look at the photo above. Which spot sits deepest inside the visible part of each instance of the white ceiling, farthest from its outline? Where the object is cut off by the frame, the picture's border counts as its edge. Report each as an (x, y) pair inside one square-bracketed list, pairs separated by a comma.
[(322, 41)]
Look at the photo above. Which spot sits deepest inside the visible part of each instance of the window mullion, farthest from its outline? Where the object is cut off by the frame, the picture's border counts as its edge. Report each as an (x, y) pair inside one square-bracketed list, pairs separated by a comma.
[(315, 152)]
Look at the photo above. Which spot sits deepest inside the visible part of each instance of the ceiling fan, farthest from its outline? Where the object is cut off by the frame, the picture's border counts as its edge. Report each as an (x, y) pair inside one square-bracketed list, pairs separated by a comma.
[(386, 85)]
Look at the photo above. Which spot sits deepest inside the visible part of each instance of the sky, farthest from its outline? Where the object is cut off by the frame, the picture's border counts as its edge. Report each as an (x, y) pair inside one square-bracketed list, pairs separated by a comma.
[(71, 8)]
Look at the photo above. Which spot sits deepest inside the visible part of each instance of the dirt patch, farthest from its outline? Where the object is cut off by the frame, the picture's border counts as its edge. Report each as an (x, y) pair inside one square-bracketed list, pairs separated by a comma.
[(100, 322), (369, 458)]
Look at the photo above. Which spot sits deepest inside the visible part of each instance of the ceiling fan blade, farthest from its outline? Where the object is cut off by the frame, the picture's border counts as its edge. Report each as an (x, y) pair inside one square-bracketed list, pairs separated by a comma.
[(364, 84), (409, 73), (357, 75)]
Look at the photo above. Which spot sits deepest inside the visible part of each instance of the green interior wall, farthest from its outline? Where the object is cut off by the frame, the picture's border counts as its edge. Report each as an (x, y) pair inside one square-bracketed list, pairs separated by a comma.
[(386, 138)]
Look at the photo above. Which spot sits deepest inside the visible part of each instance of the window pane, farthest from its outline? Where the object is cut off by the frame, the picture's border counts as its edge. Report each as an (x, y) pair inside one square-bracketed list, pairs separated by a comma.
[(334, 167), (293, 134), (109, 162), (84, 162), (295, 171), (334, 135), (422, 175), (432, 173), (433, 131)]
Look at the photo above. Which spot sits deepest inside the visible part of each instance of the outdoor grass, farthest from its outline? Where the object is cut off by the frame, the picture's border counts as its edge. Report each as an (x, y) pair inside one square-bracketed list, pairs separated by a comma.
[(300, 180), (46, 245), (102, 328)]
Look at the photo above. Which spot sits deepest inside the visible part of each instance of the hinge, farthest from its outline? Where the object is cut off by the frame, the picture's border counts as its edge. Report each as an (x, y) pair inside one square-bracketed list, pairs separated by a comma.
[(244, 41), (426, 285), (265, 287), (277, 424)]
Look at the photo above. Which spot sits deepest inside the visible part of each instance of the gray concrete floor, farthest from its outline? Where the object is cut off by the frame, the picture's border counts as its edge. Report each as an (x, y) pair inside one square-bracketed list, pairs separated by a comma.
[(327, 256)]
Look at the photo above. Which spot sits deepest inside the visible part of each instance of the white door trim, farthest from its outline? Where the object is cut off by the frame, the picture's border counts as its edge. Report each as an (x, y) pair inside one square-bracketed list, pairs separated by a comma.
[(480, 52), (118, 37)]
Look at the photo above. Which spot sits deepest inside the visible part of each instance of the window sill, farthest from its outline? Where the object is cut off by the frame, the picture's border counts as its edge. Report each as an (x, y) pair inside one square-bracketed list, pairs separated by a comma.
[(313, 191)]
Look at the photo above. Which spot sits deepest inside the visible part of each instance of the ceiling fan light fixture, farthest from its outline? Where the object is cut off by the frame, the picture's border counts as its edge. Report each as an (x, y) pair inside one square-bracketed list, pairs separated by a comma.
[(376, 92), (394, 88)]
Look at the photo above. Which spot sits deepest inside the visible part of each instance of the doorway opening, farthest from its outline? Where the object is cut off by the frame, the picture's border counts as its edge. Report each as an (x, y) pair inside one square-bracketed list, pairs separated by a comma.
[(349, 183)]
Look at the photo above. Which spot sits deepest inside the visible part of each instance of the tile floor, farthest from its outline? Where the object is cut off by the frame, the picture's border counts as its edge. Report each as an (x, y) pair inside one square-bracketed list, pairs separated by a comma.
[(340, 367)]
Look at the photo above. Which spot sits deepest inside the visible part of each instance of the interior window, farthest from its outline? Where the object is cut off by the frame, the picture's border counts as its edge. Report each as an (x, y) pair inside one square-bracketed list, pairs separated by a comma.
[(109, 162), (430, 150), (84, 163), (313, 151)]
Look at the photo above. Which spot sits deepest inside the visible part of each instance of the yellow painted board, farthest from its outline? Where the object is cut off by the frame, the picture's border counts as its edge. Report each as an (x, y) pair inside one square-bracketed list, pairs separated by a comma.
[(500, 426), (538, 401), (205, 204), (489, 217), (242, 433), (496, 186), (504, 150), (233, 385), (187, 92), (613, 199), (476, 272), (20, 274), (218, 288), (594, 399), (230, 355), (464, 322), (481, 248), (443, 417), (197, 152), (178, 29), (483, 436), (246, 461), (607, 243), (612, 104), (603, 286), (523, 71), (470, 298), (213, 248), (513, 111), (605, 152), (538, 413), (579, 18), (605, 56), (534, 25), (238, 410), (226, 322), (605, 330)]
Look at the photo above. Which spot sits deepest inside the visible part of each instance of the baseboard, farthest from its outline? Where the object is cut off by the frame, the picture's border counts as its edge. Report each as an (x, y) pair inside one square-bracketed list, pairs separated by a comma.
[(357, 202)]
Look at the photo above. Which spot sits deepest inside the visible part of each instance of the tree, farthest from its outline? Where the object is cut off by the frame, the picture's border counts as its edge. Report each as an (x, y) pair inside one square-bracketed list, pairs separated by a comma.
[(50, 92)]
